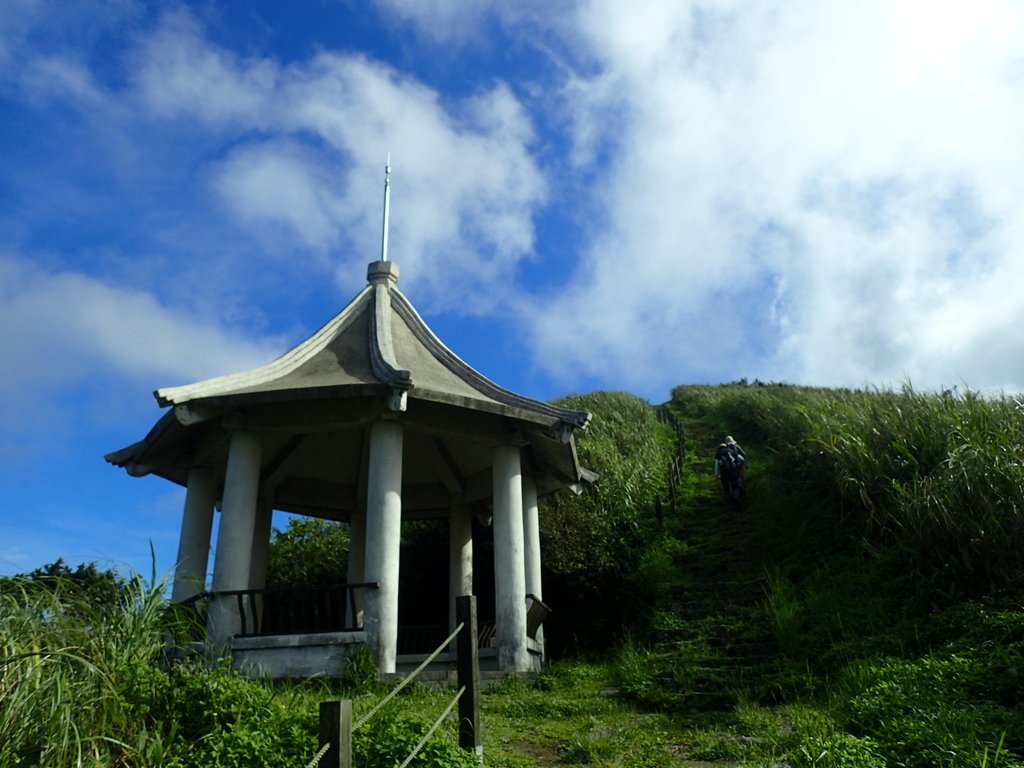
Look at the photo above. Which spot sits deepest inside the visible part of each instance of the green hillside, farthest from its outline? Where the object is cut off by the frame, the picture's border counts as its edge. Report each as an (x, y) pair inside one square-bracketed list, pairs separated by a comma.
[(861, 607)]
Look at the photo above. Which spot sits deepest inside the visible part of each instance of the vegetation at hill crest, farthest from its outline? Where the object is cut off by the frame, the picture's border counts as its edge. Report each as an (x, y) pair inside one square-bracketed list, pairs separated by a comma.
[(861, 608)]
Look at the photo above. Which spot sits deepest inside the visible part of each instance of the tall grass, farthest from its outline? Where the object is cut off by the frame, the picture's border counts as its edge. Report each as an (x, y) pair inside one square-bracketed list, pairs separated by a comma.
[(940, 477), (88, 684), (937, 477), (877, 510), (593, 542), (65, 666)]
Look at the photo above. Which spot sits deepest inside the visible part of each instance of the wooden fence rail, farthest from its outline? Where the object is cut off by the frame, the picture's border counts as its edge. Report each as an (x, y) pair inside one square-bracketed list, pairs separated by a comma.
[(675, 469), (336, 723)]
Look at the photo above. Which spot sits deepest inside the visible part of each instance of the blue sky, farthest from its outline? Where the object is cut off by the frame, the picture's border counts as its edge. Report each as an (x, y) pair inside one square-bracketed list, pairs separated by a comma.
[(590, 194)]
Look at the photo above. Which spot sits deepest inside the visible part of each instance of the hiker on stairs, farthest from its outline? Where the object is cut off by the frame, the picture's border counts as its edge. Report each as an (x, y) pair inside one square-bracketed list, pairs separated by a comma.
[(730, 464)]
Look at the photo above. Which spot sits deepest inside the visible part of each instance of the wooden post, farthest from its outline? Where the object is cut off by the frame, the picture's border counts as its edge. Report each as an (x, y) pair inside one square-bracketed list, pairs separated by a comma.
[(336, 730), (468, 664)]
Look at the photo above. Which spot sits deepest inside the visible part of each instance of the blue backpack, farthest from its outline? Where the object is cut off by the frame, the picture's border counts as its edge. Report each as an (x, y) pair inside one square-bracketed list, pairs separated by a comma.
[(727, 461)]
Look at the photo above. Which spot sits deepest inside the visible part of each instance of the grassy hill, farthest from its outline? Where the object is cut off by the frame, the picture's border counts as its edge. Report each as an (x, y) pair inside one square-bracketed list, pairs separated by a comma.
[(862, 607)]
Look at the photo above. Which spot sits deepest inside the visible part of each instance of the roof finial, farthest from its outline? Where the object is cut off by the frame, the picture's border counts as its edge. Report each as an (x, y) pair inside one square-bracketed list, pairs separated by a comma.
[(387, 209)]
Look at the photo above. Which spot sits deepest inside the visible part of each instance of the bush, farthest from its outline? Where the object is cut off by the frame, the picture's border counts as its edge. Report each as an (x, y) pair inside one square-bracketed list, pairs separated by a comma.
[(310, 551), (391, 738), (927, 712), (593, 542)]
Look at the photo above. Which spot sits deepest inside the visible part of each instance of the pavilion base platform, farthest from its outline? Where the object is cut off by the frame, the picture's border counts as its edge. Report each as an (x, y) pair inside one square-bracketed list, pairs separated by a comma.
[(324, 654), (281, 657), (446, 662)]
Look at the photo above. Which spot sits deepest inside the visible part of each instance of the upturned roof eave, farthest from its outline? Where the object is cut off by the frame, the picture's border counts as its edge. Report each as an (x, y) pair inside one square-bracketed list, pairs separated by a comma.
[(385, 375), (377, 298), (135, 453), (476, 380), (233, 383)]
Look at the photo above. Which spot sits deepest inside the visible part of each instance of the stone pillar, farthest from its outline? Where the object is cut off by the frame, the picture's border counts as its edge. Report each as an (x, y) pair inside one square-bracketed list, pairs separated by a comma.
[(460, 557), (260, 543), (258, 559), (232, 564), (531, 536), (509, 568), (194, 542), (383, 536), (356, 566)]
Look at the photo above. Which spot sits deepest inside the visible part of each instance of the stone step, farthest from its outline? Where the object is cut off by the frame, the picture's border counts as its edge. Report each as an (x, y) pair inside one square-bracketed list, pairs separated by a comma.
[(447, 678)]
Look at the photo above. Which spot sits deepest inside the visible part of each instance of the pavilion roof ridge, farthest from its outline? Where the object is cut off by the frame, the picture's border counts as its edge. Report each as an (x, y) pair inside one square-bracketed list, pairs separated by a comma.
[(394, 333), (383, 278), (404, 308), (281, 366)]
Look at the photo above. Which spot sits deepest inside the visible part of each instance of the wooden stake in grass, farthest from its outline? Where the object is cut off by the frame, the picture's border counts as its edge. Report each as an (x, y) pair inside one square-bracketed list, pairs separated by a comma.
[(336, 734)]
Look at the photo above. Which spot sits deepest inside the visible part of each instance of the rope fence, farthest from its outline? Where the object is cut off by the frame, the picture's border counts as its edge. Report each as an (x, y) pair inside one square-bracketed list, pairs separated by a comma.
[(675, 469), (434, 727), (407, 680), (336, 724), (316, 758)]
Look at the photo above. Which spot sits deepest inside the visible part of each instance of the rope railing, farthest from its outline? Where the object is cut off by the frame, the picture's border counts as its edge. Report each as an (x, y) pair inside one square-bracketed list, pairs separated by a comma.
[(336, 726), (408, 679), (433, 728), (675, 469), (316, 758)]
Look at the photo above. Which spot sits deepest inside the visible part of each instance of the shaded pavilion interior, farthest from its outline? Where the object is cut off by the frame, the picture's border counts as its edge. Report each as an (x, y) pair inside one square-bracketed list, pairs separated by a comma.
[(370, 421)]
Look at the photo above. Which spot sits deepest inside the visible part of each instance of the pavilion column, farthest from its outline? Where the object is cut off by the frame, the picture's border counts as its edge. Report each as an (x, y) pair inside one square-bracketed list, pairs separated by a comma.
[(460, 556), (383, 536), (194, 542), (509, 567), (232, 564), (531, 536), (260, 542), (260, 551), (356, 566)]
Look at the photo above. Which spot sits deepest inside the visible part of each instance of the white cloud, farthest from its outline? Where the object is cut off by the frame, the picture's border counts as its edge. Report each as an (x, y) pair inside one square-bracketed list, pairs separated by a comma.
[(308, 143), (281, 182), (65, 330), (826, 194), (444, 20), (812, 194), (180, 75)]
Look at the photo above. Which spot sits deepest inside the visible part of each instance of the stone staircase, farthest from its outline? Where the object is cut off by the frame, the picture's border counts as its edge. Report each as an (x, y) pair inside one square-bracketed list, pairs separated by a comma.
[(719, 639)]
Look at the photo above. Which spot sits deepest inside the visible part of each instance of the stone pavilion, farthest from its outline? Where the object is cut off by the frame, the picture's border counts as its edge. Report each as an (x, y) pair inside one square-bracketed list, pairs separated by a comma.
[(370, 421)]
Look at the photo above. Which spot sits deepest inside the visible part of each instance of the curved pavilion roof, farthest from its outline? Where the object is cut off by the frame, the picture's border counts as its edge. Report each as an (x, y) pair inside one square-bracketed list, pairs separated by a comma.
[(312, 405)]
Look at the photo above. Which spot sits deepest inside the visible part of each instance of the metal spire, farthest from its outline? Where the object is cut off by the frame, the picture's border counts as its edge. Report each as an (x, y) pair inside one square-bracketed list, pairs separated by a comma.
[(387, 209)]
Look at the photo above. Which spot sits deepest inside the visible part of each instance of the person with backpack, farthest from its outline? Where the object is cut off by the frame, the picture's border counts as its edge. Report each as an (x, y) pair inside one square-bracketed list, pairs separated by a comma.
[(737, 452), (730, 463)]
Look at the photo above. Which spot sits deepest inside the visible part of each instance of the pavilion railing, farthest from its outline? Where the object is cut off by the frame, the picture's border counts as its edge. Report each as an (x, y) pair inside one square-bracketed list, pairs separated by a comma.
[(288, 610)]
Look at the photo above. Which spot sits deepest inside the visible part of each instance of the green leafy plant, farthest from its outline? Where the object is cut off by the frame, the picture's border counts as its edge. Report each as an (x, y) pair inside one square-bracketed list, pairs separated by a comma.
[(361, 674), (309, 551)]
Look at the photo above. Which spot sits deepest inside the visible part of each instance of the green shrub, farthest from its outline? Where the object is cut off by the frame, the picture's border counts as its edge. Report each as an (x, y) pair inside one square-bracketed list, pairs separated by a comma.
[(361, 672), (634, 671), (593, 543), (391, 738), (925, 712), (309, 551), (77, 680), (785, 615)]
